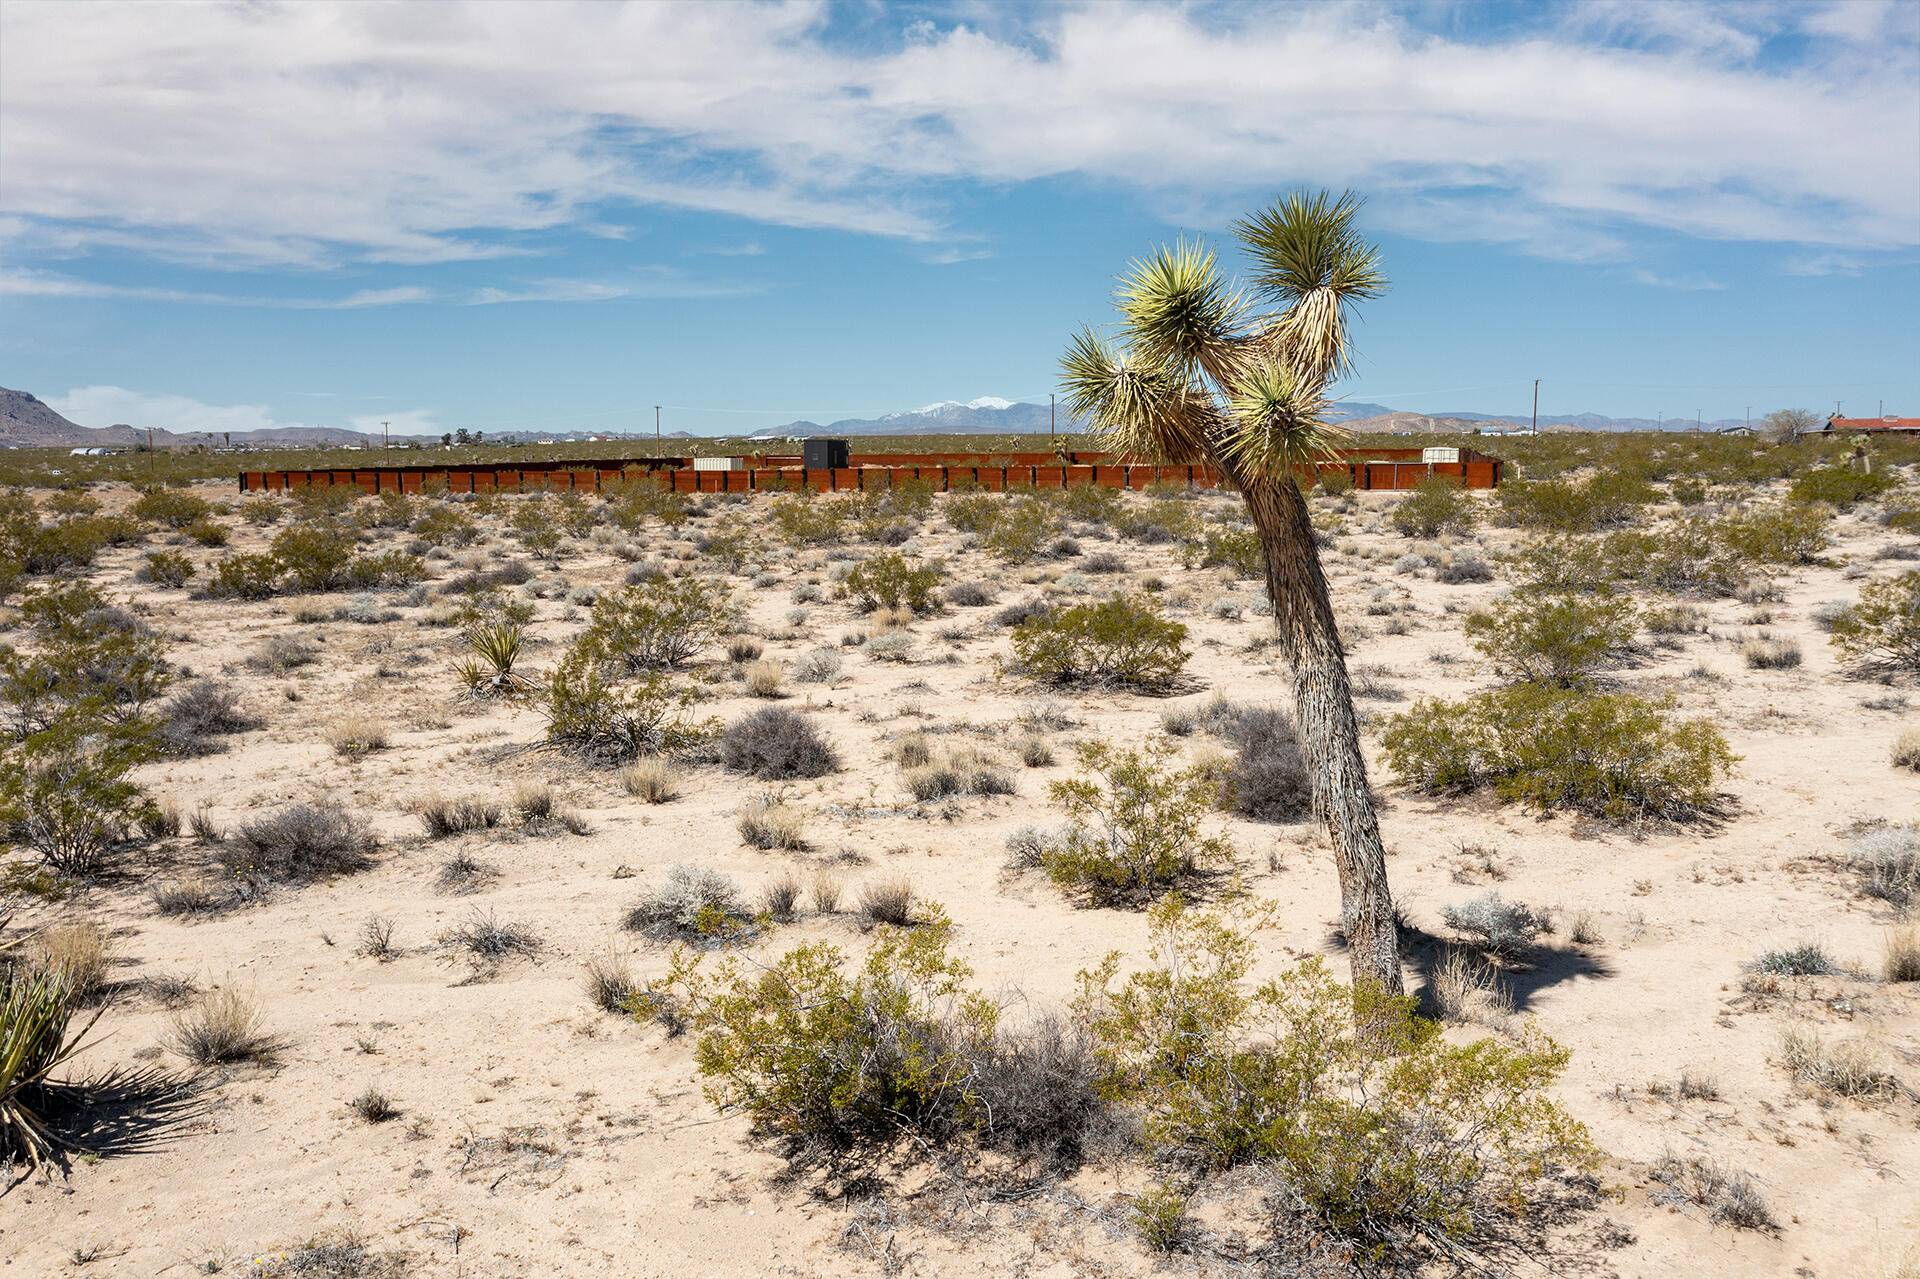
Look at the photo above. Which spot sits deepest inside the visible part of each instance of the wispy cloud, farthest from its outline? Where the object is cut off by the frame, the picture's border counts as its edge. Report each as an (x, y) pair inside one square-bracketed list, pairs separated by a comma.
[(644, 283), (307, 135), (1687, 282), (745, 249), (113, 405)]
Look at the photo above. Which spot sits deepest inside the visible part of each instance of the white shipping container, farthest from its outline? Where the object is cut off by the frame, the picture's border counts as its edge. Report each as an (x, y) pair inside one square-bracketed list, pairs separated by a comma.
[(1430, 456), (719, 463)]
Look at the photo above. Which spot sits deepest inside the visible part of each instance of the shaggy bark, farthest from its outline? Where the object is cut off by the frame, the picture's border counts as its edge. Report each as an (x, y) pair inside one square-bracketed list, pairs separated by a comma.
[(1329, 732)]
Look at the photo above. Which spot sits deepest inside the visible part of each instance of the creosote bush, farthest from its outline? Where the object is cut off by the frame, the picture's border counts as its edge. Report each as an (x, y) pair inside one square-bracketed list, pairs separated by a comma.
[(1134, 825), (1116, 642), (1552, 638), (1611, 754), (894, 582), (1389, 1135), (1439, 505), (1882, 631), (591, 714), (659, 624)]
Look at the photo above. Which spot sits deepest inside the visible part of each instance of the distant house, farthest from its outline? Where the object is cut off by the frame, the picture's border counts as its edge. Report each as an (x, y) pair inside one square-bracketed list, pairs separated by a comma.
[(1872, 425)]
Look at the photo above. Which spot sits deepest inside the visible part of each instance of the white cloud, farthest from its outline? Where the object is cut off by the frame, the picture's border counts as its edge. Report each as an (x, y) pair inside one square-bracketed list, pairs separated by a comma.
[(305, 135), (113, 405), (658, 282), (1687, 282)]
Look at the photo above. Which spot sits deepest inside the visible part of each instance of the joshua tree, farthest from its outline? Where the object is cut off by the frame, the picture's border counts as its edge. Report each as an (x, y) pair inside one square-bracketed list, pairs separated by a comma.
[(1206, 373)]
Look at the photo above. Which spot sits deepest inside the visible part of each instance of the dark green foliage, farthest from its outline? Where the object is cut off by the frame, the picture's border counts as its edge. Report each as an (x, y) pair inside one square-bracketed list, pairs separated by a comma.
[(245, 577), (1840, 486), (1439, 505), (1559, 639), (1882, 631), (1116, 642), (1133, 824), (660, 624), (1606, 499), (175, 508), (1611, 754), (893, 581), (167, 568)]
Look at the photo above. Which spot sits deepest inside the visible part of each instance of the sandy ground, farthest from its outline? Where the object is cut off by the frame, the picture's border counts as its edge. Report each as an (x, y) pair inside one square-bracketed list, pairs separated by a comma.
[(541, 1136)]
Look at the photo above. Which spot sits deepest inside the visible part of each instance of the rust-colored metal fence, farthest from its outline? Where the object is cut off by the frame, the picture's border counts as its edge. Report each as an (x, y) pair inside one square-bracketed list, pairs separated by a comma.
[(1395, 468)]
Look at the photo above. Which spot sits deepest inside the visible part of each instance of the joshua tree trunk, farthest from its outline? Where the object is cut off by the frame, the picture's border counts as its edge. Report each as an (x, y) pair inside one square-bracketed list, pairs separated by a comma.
[(1329, 733)]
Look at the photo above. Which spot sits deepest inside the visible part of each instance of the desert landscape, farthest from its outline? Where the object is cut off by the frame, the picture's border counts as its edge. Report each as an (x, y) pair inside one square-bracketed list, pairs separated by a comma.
[(446, 818)]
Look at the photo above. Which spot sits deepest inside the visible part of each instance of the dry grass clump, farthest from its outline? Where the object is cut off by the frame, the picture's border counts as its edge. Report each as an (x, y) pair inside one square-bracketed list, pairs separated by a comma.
[(781, 898), (1902, 960), (915, 750), (78, 955), (1464, 989), (1851, 1068), (765, 678), (300, 843), (890, 901), (1770, 653), (1906, 749), (356, 736), (223, 1028), (824, 890), (1497, 926), (1808, 959), (376, 939), (485, 941), (539, 810), (200, 713), (1728, 1195), (651, 778), (463, 873), (444, 818), (610, 983), (1888, 863), (197, 896), (958, 771), (374, 1107), (767, 823), (743, 648)]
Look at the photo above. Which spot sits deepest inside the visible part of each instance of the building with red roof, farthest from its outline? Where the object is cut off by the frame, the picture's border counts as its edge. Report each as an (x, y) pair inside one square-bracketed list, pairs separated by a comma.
[(1902, 425)]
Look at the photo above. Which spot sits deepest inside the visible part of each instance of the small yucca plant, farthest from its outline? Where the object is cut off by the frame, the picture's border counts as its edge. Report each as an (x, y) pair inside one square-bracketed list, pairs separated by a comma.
[(493, 648), (36, 1009)]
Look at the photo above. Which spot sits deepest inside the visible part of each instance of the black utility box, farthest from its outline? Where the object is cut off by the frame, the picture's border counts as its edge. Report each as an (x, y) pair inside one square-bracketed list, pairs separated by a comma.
[(823, 454)]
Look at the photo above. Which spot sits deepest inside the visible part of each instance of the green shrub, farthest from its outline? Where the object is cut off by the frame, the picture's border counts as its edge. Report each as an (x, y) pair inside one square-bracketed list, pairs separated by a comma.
[(388, 568), (245, 577), (1089, 502), (314, 555), (611, 723), (1558, 639), (175, 508), (260, 511), (660, 624), (167, 568), (1235, 547), (810, 1048), (974, 512), (806, 520), (1439, 505), (65, 794), (1611, 754), (643, 499), (1882, 631), (1025, 524), (1566, 562), (440, 525), (1840, 486), (1607, 499), (1133, 824), (892, 581), (1116, 642), (1160, 520), (1782, 533), (1388, 1136)]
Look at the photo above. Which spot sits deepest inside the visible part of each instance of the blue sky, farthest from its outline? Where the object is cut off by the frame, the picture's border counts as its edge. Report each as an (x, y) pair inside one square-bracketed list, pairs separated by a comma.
[(556, 216)]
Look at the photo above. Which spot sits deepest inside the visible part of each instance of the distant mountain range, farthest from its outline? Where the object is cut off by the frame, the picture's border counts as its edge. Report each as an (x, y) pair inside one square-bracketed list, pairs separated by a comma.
[(27, 422)]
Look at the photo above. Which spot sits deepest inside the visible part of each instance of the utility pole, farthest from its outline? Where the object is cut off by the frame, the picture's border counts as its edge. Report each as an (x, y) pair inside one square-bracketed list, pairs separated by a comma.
[(656, 421), (386, 436), (1536, 406), (1749, 417), (1050, 415), (1696, 419), (1836, 408)]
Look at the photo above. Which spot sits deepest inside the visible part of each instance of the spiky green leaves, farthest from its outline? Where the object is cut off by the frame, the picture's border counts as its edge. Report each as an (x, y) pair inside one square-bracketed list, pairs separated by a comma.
[(1178, 313), (1276, 421), (1138, 409), (1312, 260)]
